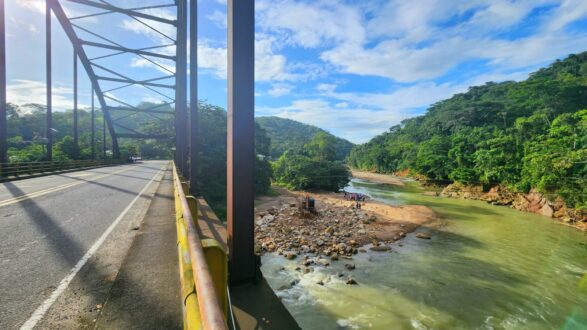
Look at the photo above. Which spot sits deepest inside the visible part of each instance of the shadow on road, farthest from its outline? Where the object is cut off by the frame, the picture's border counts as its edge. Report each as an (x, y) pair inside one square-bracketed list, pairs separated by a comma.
[(94, 280)]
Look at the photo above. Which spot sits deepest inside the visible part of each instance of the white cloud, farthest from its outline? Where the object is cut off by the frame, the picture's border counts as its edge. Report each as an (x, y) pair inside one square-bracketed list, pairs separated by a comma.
[(35, 5), (164, 66), (33, 29), (22, 91), (280, 89), (218, 18), (158, 30), (38, 6), (268, 65), (414, 41), (355, 124), (568, 12), (400, 100), (359, 116), (311, 25), (212, 60)]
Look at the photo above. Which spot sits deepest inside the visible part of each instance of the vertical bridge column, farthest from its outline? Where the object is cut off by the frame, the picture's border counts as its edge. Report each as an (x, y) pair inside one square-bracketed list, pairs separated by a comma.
[(193, 96), (3, 110), (93, 137), (49, 122), (75, 130), (241, 153), (181, 90)]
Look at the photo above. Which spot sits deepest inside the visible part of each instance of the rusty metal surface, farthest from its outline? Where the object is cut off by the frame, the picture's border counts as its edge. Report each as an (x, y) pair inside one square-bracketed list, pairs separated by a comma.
[(210, 311), (3, 134), (240, 140), (48, 119)]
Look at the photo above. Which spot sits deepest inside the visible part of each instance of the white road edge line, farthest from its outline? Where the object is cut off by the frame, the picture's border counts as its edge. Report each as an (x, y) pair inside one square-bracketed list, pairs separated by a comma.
[(44, 307)]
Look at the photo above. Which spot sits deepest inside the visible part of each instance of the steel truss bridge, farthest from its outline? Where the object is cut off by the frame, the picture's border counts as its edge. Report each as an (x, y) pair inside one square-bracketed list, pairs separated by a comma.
[(165, 59)]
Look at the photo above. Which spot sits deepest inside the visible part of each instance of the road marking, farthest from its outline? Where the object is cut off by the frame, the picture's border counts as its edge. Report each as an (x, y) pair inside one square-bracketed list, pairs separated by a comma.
[(44, 307), (50, 190), (78, 175)]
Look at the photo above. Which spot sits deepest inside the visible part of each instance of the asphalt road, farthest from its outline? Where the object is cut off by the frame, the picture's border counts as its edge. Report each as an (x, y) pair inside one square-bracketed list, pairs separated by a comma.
[(48, 224)]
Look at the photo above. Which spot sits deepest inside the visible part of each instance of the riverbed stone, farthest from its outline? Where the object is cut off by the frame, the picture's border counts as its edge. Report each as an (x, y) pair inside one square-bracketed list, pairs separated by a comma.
[(423, 235)]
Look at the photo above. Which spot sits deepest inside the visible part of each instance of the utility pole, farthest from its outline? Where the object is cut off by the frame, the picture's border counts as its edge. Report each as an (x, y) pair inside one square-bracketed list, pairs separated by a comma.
[(193, 96), (49, 122), (3, 110)]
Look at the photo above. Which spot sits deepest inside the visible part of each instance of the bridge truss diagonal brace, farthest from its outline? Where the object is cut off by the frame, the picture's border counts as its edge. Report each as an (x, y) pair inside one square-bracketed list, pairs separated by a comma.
[(78, 45), (129, 12), (59, 13)]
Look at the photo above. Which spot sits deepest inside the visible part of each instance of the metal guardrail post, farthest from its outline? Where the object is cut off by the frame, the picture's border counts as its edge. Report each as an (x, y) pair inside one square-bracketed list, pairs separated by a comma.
[(218, 263), (190, 307)]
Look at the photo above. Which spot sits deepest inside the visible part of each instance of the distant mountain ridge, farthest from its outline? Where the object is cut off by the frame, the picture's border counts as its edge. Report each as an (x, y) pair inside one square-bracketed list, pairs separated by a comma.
[(287, 133)]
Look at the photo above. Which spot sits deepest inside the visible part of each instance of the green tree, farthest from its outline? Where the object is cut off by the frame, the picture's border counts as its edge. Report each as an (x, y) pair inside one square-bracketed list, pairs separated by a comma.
[(322, 147), (301, 172), (66, 149)]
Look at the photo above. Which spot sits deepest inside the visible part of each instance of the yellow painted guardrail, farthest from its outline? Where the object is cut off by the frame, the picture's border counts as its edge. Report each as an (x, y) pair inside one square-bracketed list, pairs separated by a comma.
[(202, 267)]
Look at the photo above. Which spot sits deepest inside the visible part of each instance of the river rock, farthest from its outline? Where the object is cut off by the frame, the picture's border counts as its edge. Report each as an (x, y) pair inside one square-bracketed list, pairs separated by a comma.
[(423, 235), (351, 281), (349, 266), (381, 248)]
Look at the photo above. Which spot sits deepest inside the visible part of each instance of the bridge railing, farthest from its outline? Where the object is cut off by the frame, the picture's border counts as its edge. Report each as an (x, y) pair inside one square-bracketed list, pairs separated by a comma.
[(11, 171), (202, 266)]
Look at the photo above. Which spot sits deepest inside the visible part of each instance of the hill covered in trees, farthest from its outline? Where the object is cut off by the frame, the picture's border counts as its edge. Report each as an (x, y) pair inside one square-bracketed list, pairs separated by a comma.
[(287, 134), (528, 134)]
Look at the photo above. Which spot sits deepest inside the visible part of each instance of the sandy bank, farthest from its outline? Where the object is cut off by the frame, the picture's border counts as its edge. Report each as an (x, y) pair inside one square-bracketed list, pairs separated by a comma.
[(336, 229), (377, 178)]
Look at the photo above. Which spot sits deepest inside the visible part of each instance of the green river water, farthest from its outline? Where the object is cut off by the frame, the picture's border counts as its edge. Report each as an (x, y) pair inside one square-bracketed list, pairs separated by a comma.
[(486, 267)]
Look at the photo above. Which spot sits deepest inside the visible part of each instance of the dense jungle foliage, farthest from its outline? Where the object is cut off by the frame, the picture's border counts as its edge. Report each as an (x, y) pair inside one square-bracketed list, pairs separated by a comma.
[(26, 131), (286, 134), (312, 166), (26, 134), (528, 134)]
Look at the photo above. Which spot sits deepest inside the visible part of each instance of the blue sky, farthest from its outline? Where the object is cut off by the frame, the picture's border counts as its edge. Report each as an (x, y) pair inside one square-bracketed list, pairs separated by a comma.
[(354, 68)]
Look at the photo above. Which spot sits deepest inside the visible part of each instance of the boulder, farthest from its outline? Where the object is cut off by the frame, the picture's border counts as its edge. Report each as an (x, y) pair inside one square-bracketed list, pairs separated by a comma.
[(423, 235)]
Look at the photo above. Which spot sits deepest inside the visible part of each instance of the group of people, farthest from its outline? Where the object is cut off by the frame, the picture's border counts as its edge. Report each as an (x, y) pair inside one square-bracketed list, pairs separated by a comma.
[(356, 197)]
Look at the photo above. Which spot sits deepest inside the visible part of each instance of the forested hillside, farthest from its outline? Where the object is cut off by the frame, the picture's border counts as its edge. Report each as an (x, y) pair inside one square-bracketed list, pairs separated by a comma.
[(529, 134), (288, 134), (26, 131)]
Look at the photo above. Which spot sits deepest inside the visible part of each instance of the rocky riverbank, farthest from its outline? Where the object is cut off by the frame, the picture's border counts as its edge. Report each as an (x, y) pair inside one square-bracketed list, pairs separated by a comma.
[(336, 231), (533, 201)]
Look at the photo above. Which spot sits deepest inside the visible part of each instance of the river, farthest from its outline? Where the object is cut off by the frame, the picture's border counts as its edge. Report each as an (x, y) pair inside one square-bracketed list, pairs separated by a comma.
[(486, 267)]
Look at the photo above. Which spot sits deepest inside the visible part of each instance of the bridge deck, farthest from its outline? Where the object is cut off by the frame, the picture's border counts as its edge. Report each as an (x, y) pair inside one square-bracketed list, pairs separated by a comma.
[(130, 280), (145, 294)]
